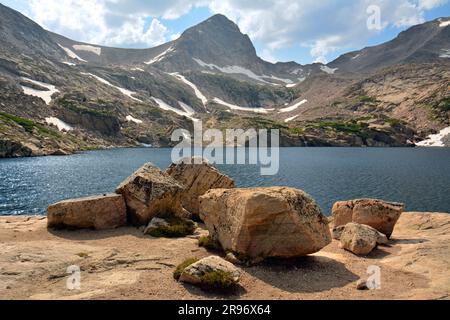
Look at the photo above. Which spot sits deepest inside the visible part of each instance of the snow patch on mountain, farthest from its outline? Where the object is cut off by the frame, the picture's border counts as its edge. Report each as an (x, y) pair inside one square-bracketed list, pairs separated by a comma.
[(293, 107), (357, 56), (69, 63), (61, 125), (241, 70), (436, 140), (446, 53), (125, 92), (291, 119), (238, 108), (164, 106), (137, 69), (88, 48), (444, 24), (71, 54), (45, 95), (130, 118), (197, 92), (328, 70), (160, 56)]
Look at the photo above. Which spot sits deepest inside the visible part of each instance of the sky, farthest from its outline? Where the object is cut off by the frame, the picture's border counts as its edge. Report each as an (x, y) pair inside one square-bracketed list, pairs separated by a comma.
[(304, 31)]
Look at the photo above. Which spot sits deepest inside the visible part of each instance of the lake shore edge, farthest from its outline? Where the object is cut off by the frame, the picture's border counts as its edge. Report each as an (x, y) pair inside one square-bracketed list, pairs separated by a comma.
[(124, 263)]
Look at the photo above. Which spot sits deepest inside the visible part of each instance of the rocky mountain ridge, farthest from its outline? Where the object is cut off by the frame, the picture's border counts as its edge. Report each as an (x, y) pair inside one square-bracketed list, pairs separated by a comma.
[(60, 96)]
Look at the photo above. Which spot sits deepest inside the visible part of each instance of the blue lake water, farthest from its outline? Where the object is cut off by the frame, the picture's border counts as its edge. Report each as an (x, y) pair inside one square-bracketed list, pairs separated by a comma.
[(418, 177)]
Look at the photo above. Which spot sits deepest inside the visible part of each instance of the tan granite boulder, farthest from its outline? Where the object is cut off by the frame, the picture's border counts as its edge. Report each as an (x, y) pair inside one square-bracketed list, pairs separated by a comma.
[(361, 239), (378, 214), (149, 192), (194, 273), (197, 176), (97, 212), (265, 222)]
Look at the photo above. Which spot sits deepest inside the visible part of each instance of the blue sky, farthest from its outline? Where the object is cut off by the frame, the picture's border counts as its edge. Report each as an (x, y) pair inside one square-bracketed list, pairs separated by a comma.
[(282, 30)]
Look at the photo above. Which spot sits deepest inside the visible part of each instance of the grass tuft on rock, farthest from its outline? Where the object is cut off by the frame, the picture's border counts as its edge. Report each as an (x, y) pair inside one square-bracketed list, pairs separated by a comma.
[(209, 243), (177, 228), (218, 281), (182, 266)]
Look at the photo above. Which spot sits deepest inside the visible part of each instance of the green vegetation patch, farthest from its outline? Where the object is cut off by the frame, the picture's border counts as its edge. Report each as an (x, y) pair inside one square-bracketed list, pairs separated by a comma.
[(367, 99), (176, 228), (182, 266), (443, 105), (218, 281), (29, 125), (347, 127), (209, 243)]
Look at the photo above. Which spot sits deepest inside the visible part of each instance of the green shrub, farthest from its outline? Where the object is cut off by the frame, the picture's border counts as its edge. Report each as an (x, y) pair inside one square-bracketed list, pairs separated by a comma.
[(209, 243), (217, 280), (367, 99), (177, 228), (182, 266), (27, 124)]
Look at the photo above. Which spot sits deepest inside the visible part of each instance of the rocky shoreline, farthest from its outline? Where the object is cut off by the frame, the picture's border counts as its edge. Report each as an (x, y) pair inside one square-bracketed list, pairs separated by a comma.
[(255, 243), (125, 264)]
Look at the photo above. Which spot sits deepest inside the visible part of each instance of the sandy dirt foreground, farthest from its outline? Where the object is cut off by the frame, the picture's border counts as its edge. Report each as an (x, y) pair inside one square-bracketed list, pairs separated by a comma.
[(124, 264)]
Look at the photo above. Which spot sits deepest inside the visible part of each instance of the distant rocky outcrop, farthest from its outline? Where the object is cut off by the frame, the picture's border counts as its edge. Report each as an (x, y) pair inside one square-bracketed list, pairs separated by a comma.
[(97, 212), (378, 214), (150, 192), (265, 222), (197, 176)]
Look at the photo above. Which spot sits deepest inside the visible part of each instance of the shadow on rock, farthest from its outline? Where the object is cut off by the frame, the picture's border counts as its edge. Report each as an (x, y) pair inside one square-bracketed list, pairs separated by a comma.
[(232, 294), (307, 274), (87, 234)]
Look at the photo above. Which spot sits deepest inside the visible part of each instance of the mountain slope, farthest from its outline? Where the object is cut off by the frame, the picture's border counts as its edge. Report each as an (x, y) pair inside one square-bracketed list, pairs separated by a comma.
[(428, 42), (59, 95)]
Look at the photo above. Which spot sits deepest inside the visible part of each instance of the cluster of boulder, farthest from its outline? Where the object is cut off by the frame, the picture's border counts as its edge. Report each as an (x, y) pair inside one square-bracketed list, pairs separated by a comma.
[(252, 224), (361, 225)]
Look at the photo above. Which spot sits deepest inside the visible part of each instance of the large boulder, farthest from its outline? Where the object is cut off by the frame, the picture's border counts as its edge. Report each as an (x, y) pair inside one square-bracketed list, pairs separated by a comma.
[(361, 239), (149, 192), (194, 274), (197, 176), (378, 214), (265, 222), (97, 212)]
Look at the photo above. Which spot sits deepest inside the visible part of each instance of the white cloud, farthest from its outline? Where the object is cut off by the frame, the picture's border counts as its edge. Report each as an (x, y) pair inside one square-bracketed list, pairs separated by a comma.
[(324, 26), (94, 22), (431, 4)]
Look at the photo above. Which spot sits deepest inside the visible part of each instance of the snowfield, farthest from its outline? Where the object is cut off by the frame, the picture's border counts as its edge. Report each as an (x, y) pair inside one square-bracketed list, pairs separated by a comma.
[(237, 108), (130, 118), (293, 107), (45, 95), (61, 125), (241, 70), (446, 53), (197, 92), (70, 63), (125, 92), (88, 48), (188, 112), (435, 140), (444, 24), (328, 70), (160, 56), (290, 119), (71, 54)]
